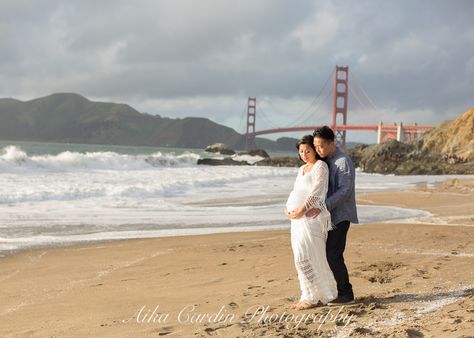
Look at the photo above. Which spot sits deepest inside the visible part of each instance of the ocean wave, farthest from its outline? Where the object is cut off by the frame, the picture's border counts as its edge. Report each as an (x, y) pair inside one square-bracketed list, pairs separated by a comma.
[(52, 179), (247, 158), (13, 158)]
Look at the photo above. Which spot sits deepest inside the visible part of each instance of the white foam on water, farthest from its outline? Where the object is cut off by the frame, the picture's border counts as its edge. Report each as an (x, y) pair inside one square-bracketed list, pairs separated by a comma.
[(442, 220), (44, 241), (247, 158), (14, 159), (375, 213), (61, 198)]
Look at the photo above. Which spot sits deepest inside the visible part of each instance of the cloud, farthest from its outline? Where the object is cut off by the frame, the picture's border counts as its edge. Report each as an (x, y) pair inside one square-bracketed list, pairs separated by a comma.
[(205, 57)]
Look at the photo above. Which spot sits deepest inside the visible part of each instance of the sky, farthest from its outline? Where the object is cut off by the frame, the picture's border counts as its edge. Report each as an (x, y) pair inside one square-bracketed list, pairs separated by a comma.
[(414, 59)]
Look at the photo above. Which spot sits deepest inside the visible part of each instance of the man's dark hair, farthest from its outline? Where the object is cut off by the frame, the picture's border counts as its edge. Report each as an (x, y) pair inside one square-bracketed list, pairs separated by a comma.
[(307, 139), (325, 133)]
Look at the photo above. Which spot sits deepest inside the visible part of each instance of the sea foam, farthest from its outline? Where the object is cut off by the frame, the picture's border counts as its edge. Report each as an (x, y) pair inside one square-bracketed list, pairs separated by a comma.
[(14, 159)]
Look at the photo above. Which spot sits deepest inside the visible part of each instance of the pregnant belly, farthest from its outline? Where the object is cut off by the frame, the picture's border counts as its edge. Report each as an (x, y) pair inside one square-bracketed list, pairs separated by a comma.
[(296, 199)]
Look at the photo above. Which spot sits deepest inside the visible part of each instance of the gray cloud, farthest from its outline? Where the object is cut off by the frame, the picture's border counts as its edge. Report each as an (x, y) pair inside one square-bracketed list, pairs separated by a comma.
[(204, 57)]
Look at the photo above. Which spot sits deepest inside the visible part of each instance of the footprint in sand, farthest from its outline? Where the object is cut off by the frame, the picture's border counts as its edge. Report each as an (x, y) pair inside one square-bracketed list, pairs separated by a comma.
[(412, 333), (163, 331), (421, 273), (253, 286), (363, 330), (93, 286), (381, 278), (211, 330), (382, 271)]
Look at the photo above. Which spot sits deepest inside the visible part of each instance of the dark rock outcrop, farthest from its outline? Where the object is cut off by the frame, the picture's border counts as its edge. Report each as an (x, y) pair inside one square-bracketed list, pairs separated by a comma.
[(412, 158), (256, 152), (280, 162), (446, 149), (394, 157), (356, 153), (225, 161)]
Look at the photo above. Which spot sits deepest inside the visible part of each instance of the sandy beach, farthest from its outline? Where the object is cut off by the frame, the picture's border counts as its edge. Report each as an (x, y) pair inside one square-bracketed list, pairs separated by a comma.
[(411, 279)]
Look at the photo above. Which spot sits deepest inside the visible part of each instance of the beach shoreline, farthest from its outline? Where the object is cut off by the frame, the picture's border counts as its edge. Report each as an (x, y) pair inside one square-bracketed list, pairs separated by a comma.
[(408, 277)]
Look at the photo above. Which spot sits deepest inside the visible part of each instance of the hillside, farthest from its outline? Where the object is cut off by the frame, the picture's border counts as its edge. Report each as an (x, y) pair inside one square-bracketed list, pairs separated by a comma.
[(71, 118), (455, 137), (427, 155)]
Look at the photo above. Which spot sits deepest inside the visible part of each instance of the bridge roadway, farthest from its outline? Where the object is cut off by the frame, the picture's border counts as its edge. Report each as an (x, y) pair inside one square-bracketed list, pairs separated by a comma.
[(411, 128)]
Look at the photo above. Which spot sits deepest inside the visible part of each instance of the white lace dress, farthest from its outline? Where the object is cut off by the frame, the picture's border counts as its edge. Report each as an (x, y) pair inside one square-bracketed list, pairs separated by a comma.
[(308, 235)]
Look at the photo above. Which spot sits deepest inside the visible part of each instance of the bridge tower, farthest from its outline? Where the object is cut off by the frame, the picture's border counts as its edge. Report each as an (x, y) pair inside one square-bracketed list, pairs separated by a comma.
[(341, 91), (251, 117)]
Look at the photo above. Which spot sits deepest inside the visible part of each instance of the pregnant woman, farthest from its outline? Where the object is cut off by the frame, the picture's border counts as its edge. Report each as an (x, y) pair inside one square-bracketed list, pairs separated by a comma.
[(308, 235)]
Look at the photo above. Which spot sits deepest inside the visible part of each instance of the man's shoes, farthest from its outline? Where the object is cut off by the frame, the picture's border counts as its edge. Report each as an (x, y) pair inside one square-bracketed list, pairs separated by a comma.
[(341, 301)]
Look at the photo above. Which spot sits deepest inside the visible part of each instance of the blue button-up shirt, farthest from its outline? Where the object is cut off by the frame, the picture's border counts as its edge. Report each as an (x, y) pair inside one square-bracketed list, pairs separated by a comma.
[(340, 199)]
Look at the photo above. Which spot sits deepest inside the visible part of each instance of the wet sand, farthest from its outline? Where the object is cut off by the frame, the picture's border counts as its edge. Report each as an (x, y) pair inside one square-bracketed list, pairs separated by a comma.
[(411, 279)]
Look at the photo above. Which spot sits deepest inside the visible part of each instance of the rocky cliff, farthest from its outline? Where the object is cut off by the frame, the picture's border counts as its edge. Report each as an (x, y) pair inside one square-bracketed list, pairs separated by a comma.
[(446, 149), (452, 137)]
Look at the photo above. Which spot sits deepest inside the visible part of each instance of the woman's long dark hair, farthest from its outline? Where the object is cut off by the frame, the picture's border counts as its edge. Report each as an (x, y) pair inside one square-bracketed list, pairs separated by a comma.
[(307, 139)]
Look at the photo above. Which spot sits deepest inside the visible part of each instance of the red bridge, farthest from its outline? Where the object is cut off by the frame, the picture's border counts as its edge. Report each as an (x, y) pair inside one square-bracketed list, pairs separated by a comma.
[(339, 124)]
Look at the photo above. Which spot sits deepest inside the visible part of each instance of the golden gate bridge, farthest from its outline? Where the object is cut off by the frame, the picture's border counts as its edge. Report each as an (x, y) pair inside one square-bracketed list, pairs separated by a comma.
[(400, 132)]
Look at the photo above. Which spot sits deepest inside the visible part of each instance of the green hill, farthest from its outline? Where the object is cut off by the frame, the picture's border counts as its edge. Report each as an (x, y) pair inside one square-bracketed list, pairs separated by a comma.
[(71, 118)]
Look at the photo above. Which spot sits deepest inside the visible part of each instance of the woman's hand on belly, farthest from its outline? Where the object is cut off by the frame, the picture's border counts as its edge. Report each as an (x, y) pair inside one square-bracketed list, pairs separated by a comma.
[(298, 212)]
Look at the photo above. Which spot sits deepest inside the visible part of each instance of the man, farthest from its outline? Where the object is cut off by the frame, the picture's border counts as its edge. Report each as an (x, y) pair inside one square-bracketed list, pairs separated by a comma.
[(340, 202)]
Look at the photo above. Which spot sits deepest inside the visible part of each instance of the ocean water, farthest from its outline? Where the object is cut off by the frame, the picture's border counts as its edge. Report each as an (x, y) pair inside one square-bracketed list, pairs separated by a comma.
[(59, 194)]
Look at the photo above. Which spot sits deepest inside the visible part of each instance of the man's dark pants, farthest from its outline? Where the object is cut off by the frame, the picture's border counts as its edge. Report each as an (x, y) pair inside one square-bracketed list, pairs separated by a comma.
[(335, 245)]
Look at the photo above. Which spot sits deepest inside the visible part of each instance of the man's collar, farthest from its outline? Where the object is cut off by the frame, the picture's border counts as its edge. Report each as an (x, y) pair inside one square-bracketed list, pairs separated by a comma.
[(334, 153)]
